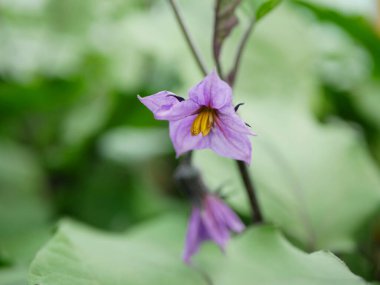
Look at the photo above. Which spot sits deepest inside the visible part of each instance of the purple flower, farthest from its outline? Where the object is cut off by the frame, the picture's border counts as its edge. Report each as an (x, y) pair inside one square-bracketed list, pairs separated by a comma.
[(206, 120), (212, 220)]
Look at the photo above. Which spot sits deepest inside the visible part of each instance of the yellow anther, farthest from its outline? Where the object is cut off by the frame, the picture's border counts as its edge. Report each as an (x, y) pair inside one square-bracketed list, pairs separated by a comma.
[(203, 123), (196, 127)]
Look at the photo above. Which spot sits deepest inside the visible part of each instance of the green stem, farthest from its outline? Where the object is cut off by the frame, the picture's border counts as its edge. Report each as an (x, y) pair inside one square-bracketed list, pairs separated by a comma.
[(188, 38), (232, 75), (215, 49)]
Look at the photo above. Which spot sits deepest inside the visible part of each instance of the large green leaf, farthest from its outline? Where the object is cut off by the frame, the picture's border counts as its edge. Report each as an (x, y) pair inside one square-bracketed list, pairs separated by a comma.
[(262, 256), (303, 169), (150, 254), (317, 182), (79, 255)]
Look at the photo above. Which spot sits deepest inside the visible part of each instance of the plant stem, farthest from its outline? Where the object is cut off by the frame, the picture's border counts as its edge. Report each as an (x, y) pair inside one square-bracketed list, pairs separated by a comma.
[(249, 186), (187, 36), (232, 75), (257, 217), (377, 24), (187, 158), (215, 50)]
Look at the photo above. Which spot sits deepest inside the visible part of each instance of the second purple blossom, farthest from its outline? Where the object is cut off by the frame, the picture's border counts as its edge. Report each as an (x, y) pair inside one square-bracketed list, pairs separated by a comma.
[(212, 220)]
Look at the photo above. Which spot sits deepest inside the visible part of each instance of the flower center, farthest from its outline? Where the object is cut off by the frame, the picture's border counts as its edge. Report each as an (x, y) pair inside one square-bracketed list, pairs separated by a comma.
[(203, 122)]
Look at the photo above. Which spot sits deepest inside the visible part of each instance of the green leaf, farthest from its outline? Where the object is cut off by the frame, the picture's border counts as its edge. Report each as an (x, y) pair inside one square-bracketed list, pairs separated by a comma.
[(262, 256), (302, 170), (80, 255), (150, 254), (356, 26), (263, 7)]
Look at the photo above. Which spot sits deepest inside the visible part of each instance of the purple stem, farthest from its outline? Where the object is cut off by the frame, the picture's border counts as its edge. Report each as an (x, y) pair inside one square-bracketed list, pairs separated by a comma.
[(257, 217)]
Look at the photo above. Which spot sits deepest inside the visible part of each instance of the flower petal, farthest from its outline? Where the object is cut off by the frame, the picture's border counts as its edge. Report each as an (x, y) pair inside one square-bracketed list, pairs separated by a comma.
[(226, 141), (212, 92), (214, 223), (183, 141), (159, 102), (196, 234), (180, 110), (231, 220), (224, 214), (231, 119), (165, 106)]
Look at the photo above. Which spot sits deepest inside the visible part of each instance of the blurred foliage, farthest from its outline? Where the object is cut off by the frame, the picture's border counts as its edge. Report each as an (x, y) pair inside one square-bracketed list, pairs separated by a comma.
[(75, 142)]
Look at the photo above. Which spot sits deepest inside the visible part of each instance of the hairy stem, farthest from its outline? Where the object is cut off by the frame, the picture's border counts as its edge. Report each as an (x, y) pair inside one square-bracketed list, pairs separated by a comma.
[(187, 36), (232, 75)]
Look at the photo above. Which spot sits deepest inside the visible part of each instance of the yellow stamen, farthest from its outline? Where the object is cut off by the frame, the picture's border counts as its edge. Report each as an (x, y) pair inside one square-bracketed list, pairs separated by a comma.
[(203, 122), (196, 127)]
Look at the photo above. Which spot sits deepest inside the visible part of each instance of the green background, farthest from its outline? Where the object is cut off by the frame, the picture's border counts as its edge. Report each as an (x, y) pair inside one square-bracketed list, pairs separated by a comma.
[(86, 188)]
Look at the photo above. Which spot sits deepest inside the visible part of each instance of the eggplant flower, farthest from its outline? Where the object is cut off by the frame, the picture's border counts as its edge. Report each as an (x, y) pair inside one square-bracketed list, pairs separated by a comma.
[(206, 120), (211, 220)]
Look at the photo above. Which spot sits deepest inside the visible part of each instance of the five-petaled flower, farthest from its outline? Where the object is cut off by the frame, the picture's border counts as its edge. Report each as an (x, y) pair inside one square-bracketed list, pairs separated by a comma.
[(210, 220), (206, 120)]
